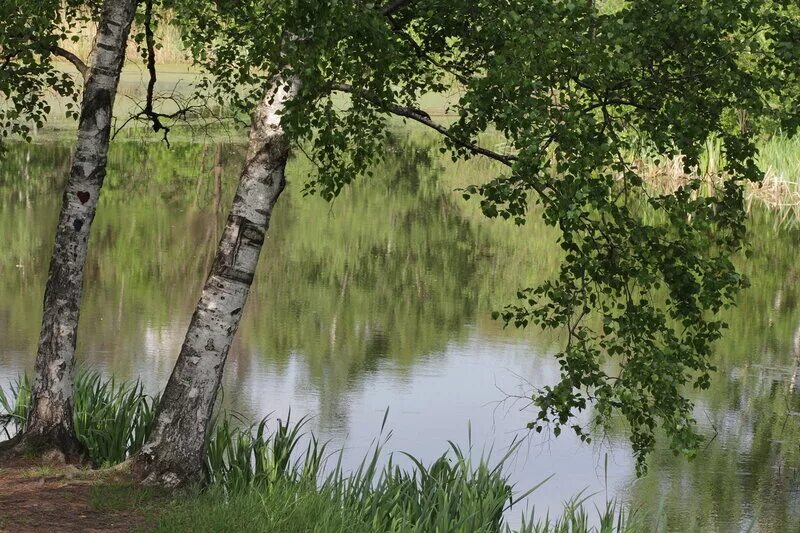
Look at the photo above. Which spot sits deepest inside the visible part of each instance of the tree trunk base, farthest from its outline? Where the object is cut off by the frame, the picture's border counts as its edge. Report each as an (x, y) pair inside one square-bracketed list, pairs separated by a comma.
[(163, 473), (54, 445), (8, 447)]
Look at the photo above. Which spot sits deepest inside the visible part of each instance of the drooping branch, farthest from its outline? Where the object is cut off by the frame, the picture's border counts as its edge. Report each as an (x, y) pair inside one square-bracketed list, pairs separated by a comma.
[(147, 111), (150, 43), (150, 46), (185, 110), (82, 67), (424, 118)]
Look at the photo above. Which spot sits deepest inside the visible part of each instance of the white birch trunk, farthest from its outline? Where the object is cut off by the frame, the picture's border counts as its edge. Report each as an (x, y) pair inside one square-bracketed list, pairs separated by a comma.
[(173, 455), (49, 424)]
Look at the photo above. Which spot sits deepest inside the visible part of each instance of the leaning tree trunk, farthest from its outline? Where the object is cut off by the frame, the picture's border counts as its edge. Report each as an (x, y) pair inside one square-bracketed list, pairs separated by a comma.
[(49, 424), (173, 454)]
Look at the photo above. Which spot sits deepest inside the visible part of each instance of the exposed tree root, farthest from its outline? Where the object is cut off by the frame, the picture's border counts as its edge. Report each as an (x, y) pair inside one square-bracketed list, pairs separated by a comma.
[(54, 446)]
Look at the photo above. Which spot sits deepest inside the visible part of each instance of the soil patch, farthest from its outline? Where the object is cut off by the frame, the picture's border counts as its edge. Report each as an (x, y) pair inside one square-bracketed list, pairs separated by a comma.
[(39, 496)]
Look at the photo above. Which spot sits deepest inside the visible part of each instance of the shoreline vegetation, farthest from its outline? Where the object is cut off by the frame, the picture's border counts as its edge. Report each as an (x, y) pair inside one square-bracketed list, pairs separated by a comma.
[(169, 49), (276, 476), (778, 192)]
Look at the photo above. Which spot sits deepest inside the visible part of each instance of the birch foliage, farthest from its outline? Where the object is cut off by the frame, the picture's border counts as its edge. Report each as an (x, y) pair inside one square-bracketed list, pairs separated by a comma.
[(582, 92)]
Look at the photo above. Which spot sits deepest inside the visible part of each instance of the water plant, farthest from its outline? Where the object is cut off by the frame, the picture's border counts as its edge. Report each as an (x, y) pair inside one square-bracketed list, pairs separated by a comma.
[(112, 419), (14, 406)]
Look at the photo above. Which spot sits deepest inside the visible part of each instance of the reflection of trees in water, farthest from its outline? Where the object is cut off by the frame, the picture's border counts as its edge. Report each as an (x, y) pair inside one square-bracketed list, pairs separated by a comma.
[(132, 280), (384, 274), (393, 270), (793, 395)]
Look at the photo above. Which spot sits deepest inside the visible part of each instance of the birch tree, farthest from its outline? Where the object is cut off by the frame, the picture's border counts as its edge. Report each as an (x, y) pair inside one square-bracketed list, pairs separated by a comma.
[(49, 424), (173, 455), (581, 91)]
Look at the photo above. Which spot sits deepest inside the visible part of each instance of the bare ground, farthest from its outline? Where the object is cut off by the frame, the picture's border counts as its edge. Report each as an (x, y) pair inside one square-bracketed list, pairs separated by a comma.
[(42, 495)]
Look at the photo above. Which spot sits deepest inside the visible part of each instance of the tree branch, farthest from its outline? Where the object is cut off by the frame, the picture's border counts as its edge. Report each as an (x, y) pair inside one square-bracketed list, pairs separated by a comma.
[(147, 111), (82, 67), (394, 6), (422, 117), (150, 43)]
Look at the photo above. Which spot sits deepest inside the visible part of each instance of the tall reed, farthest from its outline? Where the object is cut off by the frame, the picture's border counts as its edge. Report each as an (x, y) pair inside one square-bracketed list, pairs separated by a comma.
[(778, 158)]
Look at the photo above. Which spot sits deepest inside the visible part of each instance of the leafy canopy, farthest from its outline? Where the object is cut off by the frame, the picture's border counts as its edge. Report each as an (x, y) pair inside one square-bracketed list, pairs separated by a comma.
[(580, 91)]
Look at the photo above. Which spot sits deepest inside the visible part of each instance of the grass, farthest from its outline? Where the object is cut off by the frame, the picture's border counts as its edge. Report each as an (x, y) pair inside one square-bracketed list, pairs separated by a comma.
[(254, 468), (118, 496), (291, 507), (278, 477), (41, 471), (575, 518), (287, 508)]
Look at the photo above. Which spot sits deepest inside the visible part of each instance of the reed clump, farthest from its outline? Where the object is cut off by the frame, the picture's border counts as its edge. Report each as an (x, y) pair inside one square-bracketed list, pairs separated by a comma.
[(779, 159), (112, 419)]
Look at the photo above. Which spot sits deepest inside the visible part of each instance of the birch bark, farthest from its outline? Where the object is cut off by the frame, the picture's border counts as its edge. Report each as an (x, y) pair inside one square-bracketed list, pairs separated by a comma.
[(49, 424), (173, 455)]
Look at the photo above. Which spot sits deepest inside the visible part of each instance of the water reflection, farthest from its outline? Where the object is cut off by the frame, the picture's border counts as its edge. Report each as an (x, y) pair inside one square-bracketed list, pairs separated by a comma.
[(382, 300)]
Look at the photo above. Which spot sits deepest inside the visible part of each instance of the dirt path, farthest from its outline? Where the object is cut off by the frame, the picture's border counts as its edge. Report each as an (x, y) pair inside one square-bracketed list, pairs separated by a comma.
[(36, 496)]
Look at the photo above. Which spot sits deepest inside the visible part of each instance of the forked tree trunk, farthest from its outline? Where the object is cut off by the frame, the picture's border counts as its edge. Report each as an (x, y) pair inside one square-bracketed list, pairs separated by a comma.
[(49, 424), (173, 454)]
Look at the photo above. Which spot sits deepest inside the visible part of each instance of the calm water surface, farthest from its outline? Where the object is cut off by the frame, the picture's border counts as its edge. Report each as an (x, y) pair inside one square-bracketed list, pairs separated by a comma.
[(382, 300)]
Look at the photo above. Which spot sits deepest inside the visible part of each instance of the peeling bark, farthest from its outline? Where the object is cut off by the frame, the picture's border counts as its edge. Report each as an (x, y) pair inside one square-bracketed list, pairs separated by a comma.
[(49, 424), (173, 455)]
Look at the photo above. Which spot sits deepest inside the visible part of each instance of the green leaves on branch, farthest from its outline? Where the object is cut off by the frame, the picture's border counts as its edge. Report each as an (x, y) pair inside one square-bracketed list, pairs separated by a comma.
[(27, 35), (582, 93), (31, 32), (644, 275)]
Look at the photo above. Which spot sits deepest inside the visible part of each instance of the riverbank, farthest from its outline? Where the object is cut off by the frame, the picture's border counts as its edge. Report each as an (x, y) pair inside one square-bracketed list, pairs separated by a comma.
[(778, 191), (779, 156), (177, 79), (263, 477), (47, 495)]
